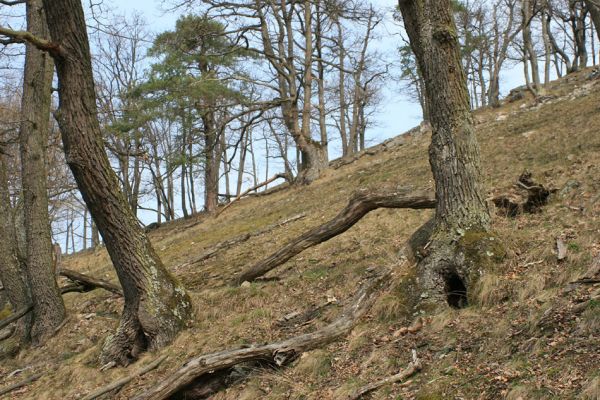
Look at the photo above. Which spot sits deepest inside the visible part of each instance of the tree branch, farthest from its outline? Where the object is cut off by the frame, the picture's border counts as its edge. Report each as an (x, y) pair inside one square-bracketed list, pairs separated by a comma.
[(27, 37)]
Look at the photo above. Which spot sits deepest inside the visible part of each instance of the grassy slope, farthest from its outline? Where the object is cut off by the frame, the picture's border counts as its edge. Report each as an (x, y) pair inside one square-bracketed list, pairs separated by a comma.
[(521, 341)]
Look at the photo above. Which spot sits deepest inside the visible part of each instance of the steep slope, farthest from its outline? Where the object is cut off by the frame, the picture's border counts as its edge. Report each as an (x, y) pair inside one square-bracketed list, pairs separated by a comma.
[(526, 337)]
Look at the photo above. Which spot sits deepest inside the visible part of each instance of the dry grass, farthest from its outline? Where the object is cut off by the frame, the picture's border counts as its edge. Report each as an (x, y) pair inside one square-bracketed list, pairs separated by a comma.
[(491, 350)]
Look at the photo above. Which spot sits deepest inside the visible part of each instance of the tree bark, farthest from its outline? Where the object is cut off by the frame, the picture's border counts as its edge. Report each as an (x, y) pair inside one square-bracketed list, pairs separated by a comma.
[(454, 152), (48, 307), (11, 274), (157, 306), (361, 203)]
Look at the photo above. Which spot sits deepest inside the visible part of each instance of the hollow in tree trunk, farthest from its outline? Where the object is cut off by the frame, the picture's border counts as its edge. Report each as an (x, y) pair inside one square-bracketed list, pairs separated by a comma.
[(157, 306), (462, 218)]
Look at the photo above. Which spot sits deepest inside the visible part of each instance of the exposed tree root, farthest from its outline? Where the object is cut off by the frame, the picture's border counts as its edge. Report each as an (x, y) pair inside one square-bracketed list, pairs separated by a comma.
[(211, 251), (20, 384), (246, 192), (6, 333), (197, 372), (84, 283), (20, 313), (413, 368), (123, 381), (361, 203)]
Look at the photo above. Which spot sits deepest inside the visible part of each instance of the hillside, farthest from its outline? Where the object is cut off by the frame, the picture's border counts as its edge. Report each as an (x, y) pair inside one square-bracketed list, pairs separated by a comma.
[(526, 336)]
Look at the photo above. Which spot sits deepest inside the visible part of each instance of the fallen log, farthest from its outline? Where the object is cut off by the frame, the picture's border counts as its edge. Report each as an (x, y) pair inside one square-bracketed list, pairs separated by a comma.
[(84, 283), (199, 370), (211, 251), (123, 381), (244, 193), (20, 384), (15, 316), (413, 368), (361, 203)]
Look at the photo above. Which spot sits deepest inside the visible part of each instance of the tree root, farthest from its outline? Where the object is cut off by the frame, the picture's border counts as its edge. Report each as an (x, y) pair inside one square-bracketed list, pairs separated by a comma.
[(414, 367), (197, 372), (361, 203), (20, 313)]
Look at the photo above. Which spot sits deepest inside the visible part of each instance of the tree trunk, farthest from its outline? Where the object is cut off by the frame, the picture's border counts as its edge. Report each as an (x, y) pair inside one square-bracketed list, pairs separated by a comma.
[(314, 154), (530, 55), (594, 14), (342, 89), (157, 307), (453, 153), (95, 235), (212, 156), (10, 272), (48, 307)]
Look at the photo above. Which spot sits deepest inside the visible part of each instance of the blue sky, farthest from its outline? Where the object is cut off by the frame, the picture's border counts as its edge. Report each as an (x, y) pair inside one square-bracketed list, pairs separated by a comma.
[(396, 114)]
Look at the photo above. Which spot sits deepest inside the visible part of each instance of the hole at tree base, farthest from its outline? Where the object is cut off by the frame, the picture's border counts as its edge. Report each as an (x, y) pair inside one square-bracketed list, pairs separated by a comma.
[(456, 291)]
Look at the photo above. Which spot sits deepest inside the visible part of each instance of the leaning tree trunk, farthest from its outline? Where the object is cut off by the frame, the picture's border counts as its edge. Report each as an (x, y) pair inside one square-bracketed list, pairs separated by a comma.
[(157, 307), (10, 270), (461, 213), (48, 307)]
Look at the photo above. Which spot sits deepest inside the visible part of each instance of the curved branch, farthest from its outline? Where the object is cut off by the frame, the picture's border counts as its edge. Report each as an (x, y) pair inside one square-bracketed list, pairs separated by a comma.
[(361, 203)]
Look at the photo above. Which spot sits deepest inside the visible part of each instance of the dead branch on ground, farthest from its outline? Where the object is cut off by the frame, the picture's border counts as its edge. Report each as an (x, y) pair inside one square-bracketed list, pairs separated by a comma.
[(413, 368), (123, 381), (361, 203), (84, 283), (20, 384), (197, 371)]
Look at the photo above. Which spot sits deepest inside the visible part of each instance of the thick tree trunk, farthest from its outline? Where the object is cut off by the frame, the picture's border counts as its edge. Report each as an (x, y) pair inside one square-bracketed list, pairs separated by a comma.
[(10, 270), (48, 307), (157, 307), (314, 161), (454, 152)]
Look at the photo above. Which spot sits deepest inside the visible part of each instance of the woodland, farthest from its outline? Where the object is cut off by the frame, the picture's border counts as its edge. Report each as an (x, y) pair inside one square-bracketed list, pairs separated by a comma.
[(202, 213)]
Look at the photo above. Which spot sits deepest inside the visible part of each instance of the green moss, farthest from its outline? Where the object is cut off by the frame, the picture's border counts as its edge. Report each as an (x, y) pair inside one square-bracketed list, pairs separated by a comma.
[(482, 249), (5, 312)]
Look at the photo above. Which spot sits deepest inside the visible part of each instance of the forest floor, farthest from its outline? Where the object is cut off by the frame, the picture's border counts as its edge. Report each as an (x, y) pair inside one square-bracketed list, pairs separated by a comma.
[(522, 337)]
